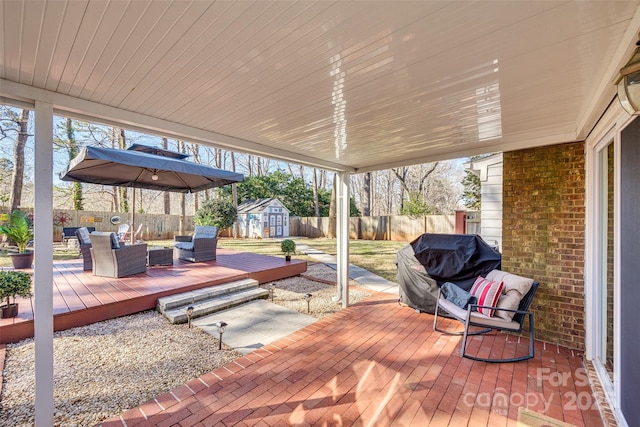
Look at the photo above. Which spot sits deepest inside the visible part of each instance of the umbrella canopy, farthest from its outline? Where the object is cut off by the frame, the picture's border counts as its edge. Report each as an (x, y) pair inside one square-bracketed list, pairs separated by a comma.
[(141, 167), (146, 167)]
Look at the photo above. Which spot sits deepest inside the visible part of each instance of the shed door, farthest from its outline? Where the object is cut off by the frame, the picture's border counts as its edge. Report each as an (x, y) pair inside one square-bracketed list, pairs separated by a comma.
[(275, 225)]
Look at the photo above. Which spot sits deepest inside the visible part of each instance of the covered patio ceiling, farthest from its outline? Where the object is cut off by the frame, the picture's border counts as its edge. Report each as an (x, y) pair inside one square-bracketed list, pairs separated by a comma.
[(347, 86)]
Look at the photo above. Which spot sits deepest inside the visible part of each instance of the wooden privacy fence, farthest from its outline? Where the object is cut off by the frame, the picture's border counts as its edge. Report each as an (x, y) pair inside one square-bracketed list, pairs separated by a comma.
[(155, 226), (160, 226), (393, 227)]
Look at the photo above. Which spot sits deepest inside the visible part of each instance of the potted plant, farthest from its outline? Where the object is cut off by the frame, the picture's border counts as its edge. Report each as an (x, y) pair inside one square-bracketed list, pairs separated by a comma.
[(18, 229), (13, 284), (288, 247)]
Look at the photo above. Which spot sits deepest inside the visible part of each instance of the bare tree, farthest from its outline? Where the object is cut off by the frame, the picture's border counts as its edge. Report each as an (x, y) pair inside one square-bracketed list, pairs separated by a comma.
[(416, 188), (167, 196), (17, 177), (333, 210), (195, 152), (234, 195), (183, 197), (76, 191), (366, 203), (316, 203), (122, 191)]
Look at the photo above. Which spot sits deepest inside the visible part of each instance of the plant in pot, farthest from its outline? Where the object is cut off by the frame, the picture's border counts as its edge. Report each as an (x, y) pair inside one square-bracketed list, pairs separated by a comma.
[(19, 230), (288, 247), (13, 284)]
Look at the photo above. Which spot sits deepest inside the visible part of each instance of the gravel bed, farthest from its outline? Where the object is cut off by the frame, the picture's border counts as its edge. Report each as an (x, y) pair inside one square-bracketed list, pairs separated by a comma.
[(103, 369)]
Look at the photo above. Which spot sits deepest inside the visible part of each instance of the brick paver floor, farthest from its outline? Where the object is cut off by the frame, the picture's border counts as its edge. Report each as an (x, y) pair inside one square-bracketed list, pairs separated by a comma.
[(377, 364)]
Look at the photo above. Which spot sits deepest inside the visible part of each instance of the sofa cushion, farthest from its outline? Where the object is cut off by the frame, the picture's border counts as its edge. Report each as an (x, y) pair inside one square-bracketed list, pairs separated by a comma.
[(477, 318), (487, 293), (187, 246)]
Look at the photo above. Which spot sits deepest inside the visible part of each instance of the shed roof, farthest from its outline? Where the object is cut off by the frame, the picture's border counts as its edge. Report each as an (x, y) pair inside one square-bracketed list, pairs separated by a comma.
[(258, 205)]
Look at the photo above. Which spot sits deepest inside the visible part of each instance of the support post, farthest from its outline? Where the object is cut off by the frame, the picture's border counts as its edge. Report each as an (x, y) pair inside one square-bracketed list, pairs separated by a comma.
[(342, 238), (43, 271)]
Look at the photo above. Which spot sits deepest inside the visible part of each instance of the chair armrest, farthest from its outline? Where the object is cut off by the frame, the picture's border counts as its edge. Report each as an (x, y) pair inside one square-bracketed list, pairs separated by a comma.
[(182, 238), (131, 251)]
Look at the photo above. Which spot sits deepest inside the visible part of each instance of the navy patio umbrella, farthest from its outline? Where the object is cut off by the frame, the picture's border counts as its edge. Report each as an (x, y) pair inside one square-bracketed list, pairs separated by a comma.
[(147, 167)]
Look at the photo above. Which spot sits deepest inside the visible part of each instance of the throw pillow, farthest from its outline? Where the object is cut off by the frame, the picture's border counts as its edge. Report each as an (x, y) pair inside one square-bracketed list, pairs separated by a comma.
[(509, 300), (487, 293), (114, 241), (511, 281)]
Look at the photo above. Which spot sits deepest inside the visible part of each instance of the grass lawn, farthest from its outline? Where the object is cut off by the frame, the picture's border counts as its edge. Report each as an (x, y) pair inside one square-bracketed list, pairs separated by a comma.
[(377, 256)]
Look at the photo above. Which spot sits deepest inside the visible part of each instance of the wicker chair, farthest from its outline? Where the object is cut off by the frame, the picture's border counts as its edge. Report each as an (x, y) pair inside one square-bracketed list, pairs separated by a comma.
[(84, 243), (199, 247), (110, 260)]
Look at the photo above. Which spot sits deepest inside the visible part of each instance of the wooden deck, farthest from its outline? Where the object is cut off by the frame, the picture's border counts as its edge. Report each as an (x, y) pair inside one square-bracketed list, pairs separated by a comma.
[(80, 298)]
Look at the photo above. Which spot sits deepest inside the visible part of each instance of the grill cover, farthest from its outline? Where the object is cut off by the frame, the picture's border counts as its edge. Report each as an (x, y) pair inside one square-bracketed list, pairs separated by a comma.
[(433, 259)]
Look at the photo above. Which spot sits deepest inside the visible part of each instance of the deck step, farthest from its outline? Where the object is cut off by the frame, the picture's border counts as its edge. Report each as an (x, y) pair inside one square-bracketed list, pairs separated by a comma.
[(189, 298), (210, 300)]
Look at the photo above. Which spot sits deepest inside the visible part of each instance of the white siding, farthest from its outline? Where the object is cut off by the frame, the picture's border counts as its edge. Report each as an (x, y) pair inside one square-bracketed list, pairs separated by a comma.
[(490, 172)]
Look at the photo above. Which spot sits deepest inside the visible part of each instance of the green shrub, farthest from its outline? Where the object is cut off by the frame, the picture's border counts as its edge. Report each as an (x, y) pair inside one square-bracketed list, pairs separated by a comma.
[(18, 229), (218, 212), (288, 247), (14, 283)]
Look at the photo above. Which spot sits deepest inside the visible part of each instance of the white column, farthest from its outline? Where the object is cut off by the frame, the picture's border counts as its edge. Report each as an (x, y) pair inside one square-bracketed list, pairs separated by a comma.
[(342, 231), (43, 271)]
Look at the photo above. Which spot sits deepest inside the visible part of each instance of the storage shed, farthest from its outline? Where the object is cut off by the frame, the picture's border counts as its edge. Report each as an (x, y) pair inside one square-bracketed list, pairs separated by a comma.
[(263, 218)]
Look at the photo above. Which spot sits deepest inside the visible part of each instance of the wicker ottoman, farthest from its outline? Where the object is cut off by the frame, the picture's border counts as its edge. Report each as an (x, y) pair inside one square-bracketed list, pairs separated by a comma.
[(159, 256)]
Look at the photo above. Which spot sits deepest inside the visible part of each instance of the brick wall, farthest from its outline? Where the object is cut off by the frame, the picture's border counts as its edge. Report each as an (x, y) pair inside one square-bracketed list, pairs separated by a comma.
[(543, 235)]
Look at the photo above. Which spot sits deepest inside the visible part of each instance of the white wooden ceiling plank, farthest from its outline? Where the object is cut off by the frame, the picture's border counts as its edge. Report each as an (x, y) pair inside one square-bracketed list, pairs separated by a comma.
[(107, 46), (94, 13), (181, 27), (247, 61), (179, 59), (308, 25), (303, 59), (12, 28), (47, 39), (2, 39), (33, 13), (66, 34), (235, 37), (149, 52), (368, 22), (124, 48), (374, 94), (197, 70)]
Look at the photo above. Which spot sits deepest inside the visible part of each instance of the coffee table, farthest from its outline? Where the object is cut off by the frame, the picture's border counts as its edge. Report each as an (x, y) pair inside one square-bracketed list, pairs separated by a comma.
[(159, 256)]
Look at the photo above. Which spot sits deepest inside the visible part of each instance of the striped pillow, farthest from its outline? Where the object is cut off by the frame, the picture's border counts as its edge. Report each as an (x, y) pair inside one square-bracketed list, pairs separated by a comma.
[(487, 293)]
